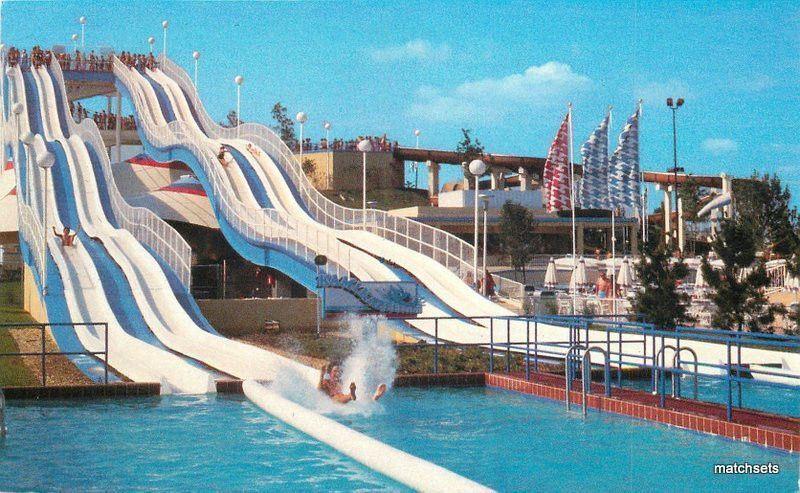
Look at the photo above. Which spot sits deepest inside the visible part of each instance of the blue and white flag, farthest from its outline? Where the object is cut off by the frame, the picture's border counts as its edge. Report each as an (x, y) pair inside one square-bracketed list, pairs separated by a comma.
[(623, 170), (594, 186)]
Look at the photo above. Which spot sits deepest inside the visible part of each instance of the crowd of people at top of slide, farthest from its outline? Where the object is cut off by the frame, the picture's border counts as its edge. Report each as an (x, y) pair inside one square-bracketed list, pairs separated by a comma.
[(104, 120), (87, 62), (380, 144)]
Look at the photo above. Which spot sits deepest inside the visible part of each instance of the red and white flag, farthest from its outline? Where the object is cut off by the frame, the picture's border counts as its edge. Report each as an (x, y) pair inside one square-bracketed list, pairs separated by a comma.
[(556, 177)]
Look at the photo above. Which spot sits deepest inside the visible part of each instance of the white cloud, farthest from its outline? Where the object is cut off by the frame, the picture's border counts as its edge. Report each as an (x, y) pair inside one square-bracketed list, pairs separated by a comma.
[(419, 50), (718, 146), (538, 86)]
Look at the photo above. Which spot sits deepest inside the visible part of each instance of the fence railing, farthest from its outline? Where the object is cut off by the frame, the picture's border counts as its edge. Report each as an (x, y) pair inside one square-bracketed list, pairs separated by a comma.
[(44, 352), (143, 223), (446, 248), (620, 340)]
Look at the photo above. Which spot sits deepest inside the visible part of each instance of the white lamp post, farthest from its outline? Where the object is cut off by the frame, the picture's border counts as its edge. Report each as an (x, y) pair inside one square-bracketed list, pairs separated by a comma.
[(238, 80), (151, 41), (46, 162), (196, 56), (485, 202), (74, 39), (327, 127), (416, 164), (82, 21), (301, 118), (364, 146), (165, 25), (477, 168)]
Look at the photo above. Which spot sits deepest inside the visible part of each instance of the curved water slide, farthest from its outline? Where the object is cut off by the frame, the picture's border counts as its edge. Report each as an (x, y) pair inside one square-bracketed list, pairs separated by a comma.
[(154, 295), (429, 255), (85, 299)]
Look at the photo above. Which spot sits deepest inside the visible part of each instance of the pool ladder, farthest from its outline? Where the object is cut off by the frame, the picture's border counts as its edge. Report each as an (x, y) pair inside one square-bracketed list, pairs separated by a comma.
[(586, 372)]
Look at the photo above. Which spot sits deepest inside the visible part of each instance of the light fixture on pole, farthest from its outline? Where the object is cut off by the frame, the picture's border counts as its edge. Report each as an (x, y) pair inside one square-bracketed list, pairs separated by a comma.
[(302, 118), (319, 262), (477, 167), (327, 126), (196, 56), (74, 39), (165, 25), (485, 203), (238, 80), (46, 162), (82, 21), (151, 41), (364, 146), (416, 164), (674, 104)]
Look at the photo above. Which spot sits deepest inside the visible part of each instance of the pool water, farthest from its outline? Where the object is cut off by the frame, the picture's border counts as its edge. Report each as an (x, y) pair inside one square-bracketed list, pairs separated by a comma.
[(515, 442), (167, 443)]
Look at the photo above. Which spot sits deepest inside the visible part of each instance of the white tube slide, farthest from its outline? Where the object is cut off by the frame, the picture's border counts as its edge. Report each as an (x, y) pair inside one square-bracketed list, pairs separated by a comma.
[(404, 468)]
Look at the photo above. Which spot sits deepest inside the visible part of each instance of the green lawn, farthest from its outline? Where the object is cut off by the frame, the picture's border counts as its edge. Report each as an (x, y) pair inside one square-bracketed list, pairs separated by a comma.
[(12, 371)]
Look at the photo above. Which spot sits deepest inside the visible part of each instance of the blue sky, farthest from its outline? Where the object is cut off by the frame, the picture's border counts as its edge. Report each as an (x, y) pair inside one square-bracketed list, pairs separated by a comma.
[(504, 69)]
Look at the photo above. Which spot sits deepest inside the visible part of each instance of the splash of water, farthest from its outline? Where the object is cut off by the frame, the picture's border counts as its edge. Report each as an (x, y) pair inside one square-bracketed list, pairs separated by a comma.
[(372, 361)]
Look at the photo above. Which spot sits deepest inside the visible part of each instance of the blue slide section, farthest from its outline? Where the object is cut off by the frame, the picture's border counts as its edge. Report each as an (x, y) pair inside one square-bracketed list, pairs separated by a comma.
[(256, 252)]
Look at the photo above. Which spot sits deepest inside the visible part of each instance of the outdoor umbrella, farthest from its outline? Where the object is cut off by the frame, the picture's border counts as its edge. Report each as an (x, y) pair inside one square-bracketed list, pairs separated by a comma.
[(579, 280), (550, 280), (625, 278)]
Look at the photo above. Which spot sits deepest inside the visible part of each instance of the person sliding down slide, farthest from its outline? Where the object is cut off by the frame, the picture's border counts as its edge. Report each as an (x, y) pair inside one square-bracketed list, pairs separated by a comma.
[(330, 382)]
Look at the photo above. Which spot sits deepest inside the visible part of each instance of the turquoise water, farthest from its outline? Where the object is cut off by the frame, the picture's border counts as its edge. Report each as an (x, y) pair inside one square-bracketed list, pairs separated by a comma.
[(168, 443), (515, 442)]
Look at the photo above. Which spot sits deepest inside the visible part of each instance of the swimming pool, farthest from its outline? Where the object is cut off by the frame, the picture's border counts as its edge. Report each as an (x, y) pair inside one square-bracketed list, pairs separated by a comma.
[(167, 443), (502, 439)]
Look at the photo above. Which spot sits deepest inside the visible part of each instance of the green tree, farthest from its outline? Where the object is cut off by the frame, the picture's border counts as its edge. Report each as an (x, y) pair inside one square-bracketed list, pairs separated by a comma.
[(284, 125), (738, 289), (309, 166), (469, 149), (518, 241), (689, 193), (764, 201), (659, 300)]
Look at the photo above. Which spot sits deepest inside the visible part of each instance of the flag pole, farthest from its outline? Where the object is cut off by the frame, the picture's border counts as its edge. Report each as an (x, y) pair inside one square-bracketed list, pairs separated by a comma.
[(613, 239), (572, 200)]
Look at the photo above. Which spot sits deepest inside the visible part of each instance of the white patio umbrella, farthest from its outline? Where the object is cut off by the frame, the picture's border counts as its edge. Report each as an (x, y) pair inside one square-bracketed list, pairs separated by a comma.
[(610, 268), (625, 278), (550, 280), (699, 279), (579, 280)]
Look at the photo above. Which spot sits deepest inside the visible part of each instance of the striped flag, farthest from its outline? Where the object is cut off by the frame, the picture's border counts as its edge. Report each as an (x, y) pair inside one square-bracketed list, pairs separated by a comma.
[(594, 186), (623, 177), (556, 175)]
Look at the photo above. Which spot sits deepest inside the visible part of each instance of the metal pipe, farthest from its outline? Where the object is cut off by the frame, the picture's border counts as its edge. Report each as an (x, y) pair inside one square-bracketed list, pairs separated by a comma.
[(3, 429)]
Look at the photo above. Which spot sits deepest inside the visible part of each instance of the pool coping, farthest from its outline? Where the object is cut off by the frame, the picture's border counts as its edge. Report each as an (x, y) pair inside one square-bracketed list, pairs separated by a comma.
[(115, 389)]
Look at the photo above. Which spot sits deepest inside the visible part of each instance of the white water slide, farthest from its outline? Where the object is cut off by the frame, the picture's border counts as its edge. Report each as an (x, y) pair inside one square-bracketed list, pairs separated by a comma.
[(433, 262)]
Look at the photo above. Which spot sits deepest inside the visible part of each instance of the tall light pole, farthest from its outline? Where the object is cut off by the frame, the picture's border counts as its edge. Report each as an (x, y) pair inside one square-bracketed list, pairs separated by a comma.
[(301, 118), (74, 39), (327, 126), (477, 168), (196, 56), (238, 80), (82, 21), (674, 105), (485, 203), (364, 146), (165, 25), (151, 41), (416, 165), (46, 162)]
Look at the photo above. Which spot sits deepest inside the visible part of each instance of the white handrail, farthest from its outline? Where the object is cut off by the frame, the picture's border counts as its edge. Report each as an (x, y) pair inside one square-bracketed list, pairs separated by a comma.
[(446, 248), (146, 226), (257, 225)]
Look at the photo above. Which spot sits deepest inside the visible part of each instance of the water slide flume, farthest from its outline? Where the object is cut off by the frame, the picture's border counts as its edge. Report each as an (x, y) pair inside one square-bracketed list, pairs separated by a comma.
[(404, 468)]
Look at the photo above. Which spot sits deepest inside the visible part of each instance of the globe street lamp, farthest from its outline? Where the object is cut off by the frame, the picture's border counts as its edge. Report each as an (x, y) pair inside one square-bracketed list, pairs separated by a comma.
[(151, 41), (302, 118), (165, 25), (477, 167), (45, 162), (364, 146), (74, 39), (416, 165), (238, 80), (327, 126), (196, 56), (674, 105), (82, 21)]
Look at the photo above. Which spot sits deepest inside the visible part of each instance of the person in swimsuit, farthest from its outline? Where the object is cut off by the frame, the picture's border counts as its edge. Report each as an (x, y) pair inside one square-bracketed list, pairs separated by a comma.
[(330, 382), (221, 155), (67, 239)]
